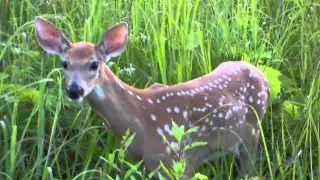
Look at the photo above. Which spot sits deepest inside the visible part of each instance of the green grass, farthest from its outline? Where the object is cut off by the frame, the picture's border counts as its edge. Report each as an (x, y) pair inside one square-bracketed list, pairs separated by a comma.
[(42, 135)]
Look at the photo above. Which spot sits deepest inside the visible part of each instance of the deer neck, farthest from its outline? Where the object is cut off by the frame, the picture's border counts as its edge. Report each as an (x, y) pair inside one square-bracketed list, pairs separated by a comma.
[(116, 102)]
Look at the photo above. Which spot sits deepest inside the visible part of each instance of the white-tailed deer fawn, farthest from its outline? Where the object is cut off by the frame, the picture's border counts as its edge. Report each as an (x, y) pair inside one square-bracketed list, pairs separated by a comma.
[(226, 104)]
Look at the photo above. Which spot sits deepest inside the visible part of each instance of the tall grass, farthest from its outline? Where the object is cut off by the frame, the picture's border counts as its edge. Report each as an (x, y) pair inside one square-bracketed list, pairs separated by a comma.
[(42, 135)]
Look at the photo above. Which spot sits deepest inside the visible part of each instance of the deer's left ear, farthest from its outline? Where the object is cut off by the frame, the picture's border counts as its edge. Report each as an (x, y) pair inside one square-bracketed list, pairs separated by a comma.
[(114, 41)]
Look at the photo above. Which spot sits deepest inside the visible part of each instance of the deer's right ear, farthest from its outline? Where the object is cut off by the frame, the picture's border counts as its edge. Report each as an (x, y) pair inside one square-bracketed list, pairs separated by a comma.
[(50, 38)]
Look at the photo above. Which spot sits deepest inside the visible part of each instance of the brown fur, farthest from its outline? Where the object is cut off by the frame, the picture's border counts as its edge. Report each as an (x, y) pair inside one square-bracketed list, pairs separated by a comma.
[(81, 51)]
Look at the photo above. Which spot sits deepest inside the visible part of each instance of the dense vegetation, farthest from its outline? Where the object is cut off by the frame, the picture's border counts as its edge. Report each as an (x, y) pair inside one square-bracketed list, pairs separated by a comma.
[(43, 135)]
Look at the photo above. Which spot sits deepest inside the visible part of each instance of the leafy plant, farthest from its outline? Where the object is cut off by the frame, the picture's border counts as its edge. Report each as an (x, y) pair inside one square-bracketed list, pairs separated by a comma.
[(178, 167)]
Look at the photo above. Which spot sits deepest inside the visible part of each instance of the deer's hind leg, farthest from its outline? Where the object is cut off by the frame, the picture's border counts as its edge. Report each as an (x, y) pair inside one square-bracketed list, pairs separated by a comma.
[(248, 152)]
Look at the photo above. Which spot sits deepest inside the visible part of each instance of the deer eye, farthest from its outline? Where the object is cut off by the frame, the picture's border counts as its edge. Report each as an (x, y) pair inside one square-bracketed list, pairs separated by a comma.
[(64, 65), (94, 65)]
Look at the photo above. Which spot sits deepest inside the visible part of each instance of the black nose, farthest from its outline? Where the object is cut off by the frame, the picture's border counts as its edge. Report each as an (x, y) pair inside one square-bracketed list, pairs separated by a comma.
[(74, 91)]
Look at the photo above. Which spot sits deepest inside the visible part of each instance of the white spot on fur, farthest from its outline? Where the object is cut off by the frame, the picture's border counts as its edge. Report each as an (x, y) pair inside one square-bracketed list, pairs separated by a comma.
[(153, 117), (235, 108), (160, 132), (168, 149), (121, 86), (227, 116), (130, 92), (259, 101), (250, 99), (167, 129), (138, 97), (150, 101), (176, 109), (185, 115), (175, 145), (168, 110)]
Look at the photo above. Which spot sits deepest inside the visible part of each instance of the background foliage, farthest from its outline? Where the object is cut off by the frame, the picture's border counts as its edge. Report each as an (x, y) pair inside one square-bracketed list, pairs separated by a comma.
[(44, 135)]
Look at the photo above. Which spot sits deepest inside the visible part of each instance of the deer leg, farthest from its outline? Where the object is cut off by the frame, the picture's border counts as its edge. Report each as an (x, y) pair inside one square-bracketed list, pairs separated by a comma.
[(188, 171), (247, 155)]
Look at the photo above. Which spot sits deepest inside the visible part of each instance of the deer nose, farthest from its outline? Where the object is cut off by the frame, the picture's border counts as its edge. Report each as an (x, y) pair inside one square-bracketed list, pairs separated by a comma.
[(74, 91)]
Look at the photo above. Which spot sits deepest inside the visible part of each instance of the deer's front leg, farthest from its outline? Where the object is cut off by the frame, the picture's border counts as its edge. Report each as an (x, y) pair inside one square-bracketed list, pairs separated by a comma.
[(188, 171), (193, 159)]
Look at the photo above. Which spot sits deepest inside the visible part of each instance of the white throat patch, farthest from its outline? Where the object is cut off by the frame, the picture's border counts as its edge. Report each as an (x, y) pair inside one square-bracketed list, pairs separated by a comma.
[(99, 91), (80, 99)]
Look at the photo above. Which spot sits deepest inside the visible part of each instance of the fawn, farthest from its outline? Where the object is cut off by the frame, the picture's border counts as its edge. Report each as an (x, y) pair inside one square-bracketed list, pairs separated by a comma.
[(226, 104)]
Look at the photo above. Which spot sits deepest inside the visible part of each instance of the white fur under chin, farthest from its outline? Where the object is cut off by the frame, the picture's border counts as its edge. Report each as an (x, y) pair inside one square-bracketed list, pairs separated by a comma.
[(80, 99), (99, 91)]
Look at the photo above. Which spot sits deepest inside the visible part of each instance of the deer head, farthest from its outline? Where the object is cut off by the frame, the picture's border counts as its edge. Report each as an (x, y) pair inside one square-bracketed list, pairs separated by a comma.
[(81, 61)]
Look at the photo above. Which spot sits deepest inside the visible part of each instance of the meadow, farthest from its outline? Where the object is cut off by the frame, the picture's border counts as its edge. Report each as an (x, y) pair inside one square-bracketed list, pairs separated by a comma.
[(45, 136)]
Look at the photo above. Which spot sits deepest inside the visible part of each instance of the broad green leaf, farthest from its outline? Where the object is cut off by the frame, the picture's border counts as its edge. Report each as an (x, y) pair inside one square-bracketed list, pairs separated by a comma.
[(178, 132), (178, 168), (161, 177), (272, 76), (199, 176), (121, 155), (194, 144), (193, 40), (129, 141), (133, 168), (192, 130), (152, 173), (292, 109)]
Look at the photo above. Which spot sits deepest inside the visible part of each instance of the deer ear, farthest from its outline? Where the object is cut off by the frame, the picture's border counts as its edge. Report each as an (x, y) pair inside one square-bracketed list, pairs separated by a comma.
[(50, 38), (114, 41)]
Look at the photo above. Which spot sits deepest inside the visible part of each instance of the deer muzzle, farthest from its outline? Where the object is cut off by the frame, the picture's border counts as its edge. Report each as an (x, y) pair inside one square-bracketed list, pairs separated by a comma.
[(74, 91)]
